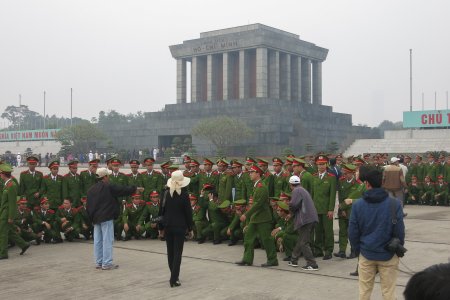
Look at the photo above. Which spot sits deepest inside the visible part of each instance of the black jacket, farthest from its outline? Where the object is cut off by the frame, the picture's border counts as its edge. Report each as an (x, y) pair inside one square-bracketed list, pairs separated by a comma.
[(102, 204), (177, 210)]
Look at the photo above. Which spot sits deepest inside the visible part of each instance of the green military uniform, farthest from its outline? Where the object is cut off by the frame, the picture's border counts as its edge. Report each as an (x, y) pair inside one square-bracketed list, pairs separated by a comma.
[(131, 216), (429, 169), (39, 217), (259, 224), (414, 192), (267, 177), (236, 226), (83, 222), (87, 179), (30, 184), (248, 185), (150, 212), (225, 183), (217, 220), (427, 195), (51, 188), (441, 194), (151, 182), (69, 228), (324, 197), (199, 217), (287, 236), (240, 188), (280, 180), (8, 209), (24, 221), (71, 186)]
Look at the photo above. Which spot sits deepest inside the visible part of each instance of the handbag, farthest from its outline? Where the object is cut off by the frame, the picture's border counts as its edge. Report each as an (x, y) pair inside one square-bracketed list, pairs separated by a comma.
[(395, 245)]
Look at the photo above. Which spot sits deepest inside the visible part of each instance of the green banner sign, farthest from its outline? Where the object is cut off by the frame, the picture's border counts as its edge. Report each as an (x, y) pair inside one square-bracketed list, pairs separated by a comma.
[(28, 135), (426, 118)]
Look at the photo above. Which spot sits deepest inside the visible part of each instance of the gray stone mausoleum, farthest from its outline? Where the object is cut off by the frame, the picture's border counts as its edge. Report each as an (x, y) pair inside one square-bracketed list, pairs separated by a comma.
[(269, 78)]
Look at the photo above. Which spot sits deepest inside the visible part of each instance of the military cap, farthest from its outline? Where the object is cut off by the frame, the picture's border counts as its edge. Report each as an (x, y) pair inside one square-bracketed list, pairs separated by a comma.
[(240, 202), (134, 163), (298, 162), (166, 164), (154, 194), (358, 160), (222, 162), (32, 159), (428, 176), (44, 200), (192, 196), (53, 163), (276, 161), (115, 162), (290, 156), (186, 159), (285, 195), (262, 162), (236, 164), (6, 168), (22, 200), (94, 162), (321, 159), (149, 160), (289, 161), (339, 155), (73, 162), (250, 160), (173, 167), (84, 199), (440, 176), (413, 177), (255, 168), (283, 205), (207, 161), (349, 167), (367, 155), (194, 163), (224, 204), (419, 156), (111, 157), (208, 186), (274, 199), (136, 195)]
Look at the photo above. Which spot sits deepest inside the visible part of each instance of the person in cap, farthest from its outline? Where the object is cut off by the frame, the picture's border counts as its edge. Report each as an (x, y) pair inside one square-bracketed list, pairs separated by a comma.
[(235, 229), (198, 217), (429, 168), (217, 219), (30, 182), (82, 220), (44, 222), (152, 180), (193, 174), (131, 217), (260, 222), (165, 172), (394, 180), (187, 165), (267, 177), (413, 191), (117, 177), (299, 169), (103, 207), (324, 196), (207, 175), (419, 168), (246, 177), (88, 177), (8, 210), (51, 186), (347, 184), (440, 191), (66, 218), (440, 165), (24, 222), (176, 212), (239, 187), (134, 178), (305, 218), (279, 177), (71, 185), (284, 233), (427, 194), (225, 180), (447, 170), (147, 221)]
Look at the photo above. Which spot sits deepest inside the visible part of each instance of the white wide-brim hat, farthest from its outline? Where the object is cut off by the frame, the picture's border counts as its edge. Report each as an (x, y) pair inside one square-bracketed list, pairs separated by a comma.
[(178, 179)]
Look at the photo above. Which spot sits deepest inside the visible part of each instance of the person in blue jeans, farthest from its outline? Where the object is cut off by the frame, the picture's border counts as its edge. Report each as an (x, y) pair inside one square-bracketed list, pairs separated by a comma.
[(103, 207)]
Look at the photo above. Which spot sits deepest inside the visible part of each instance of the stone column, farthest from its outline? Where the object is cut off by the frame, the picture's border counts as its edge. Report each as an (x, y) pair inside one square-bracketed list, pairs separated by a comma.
[(181, 80), (261, 73), (306, 80), (211, 78), (274, 74), (285, 76), (296, 75), (243, 75), (226, 77), (317, 82), (195, 80)]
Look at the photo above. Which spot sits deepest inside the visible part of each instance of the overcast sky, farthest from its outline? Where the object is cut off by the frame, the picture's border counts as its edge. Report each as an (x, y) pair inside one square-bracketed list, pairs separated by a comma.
[(115, 55)]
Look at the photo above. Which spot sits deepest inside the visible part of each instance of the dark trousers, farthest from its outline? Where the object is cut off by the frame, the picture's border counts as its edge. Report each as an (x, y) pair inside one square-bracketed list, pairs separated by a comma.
[(175, 242), (303, 244)]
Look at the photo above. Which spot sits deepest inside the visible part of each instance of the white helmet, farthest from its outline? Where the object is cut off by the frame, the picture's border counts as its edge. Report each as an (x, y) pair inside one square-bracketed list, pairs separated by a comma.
[(294, 180)]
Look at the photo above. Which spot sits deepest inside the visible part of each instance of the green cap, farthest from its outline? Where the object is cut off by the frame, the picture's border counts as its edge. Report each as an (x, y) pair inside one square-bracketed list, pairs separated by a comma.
[(274, 199), (173, 167), (240, 202), (349, 167), (283, 205), (224, 204), (6, 168)]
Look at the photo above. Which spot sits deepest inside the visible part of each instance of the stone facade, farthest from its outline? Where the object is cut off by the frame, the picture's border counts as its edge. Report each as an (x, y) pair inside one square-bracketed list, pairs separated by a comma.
[(266, 77)]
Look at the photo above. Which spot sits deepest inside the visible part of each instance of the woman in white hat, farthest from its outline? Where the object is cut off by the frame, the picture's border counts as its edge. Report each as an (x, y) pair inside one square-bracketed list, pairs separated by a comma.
[(176, 212)]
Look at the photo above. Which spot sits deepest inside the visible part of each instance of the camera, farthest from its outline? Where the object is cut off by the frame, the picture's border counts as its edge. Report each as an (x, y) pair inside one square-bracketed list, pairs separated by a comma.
[(395, 247)]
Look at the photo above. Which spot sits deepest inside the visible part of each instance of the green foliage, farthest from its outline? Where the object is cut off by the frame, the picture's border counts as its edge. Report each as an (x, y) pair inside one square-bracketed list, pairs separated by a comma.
[(80, 138), (222, 131), (389, 125)]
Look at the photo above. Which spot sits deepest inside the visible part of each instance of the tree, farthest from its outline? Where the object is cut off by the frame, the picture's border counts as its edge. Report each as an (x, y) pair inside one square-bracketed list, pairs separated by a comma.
[(18, 114), (80, 138), (222, 131)]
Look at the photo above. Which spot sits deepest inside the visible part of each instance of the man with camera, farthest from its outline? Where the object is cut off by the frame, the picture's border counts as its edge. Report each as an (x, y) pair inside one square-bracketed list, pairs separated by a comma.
[(377, 233)]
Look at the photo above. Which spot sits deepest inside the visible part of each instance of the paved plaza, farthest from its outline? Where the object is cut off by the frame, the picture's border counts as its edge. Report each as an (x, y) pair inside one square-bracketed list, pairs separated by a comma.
[(66, 271)]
